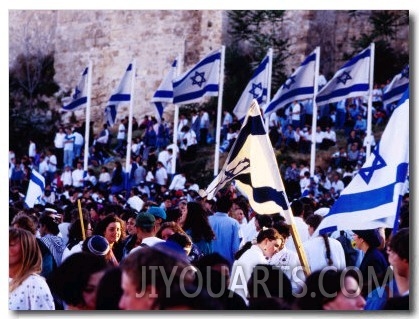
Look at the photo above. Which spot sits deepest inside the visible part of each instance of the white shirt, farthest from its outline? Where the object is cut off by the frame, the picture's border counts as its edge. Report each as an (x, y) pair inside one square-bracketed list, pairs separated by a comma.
[(136, 203), (59, 140), (78, 138), (289, 263), (32, 294), (67, 178), (315, 250), (32, 149), (242, 270), (303, 233), (77, 177), (121, 132), (178, 182)]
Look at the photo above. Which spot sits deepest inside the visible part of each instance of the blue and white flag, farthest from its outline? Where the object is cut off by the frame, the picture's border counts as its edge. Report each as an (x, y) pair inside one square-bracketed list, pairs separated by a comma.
[(36, 188), (257, 89), (201, 80), (299, 86), (164, 93), (120, 95), (372, 199), (252, 164), (394, 91), (351, 80), (78, 99)]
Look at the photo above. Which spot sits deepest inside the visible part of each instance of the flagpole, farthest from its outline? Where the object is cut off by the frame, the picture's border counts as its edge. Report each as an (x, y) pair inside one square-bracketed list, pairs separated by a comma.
[(129, 137), (369, 111), (87, 126), (175, 124), (268, 91), (314, 116), (220, 101)]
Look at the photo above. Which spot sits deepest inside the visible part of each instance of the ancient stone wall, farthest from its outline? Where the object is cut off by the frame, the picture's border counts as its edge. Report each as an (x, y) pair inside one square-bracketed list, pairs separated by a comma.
[(112, 39)]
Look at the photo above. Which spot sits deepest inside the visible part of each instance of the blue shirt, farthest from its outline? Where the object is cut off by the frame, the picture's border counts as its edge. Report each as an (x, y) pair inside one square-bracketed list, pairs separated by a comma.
[(226, 230)]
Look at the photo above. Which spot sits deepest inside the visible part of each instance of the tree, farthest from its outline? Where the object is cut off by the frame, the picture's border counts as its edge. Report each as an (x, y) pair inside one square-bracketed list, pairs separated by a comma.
[(385, 25), (252, 34)]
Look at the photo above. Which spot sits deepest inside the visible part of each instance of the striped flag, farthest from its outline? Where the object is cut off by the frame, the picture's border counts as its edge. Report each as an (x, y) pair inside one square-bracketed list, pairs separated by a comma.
[(299, 86), (257, 89), (164, 93), (351, 80), (252, 164), (394, 91), (201, 80), (78, 99), (36, 188), (372, 199), (120, 95)]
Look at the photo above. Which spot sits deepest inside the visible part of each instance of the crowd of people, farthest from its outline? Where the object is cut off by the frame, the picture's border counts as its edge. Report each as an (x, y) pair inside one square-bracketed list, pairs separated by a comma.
[(145, 239)]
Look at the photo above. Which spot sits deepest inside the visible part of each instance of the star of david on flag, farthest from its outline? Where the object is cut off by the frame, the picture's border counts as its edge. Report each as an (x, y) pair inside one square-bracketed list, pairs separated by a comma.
[(78, 99), (257, 89), (199, 81), (299, 86), (372, 199), (351, 80)]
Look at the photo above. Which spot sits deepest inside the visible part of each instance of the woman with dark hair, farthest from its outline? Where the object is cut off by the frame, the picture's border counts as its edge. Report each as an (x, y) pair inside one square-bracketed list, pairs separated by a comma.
[(331, 289), (322, 250), (75, 281), (198, 228), (113, 229), (75, 237), (49, 231), (373, 264), (268, 242)]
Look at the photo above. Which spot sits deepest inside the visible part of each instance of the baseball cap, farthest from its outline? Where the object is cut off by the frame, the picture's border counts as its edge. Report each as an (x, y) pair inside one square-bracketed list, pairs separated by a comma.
[(157, 212), (145, 220)]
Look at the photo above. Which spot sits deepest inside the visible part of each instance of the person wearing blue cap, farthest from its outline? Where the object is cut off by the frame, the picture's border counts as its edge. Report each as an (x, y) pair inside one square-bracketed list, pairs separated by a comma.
[(159, 214)]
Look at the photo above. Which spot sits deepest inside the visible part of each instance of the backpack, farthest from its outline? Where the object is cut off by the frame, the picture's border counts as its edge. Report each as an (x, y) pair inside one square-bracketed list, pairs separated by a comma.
[(351, 254)]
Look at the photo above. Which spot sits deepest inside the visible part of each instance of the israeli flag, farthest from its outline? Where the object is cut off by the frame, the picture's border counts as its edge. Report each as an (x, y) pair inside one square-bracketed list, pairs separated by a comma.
[(372, 199), (257, 89), (78, 99), (121, 95), (252, 164), (351, 80), (36, 188), (299, 86), (201, 80), (164, 93), (394, 91)]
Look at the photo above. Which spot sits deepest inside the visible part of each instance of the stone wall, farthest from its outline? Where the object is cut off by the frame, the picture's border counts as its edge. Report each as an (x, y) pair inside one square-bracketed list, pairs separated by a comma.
[(112, 39)]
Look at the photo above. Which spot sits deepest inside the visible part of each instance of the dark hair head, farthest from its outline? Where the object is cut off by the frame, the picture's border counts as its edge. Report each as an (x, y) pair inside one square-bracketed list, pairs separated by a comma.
[(314, 220), (50, 224), (70, 279), (269, 281), (223, 204), (399, 243), (323, 286), (297, 207)]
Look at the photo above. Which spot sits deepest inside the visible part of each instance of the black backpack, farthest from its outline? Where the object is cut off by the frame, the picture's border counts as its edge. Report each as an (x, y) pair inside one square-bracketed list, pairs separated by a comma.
[(351, 254)]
